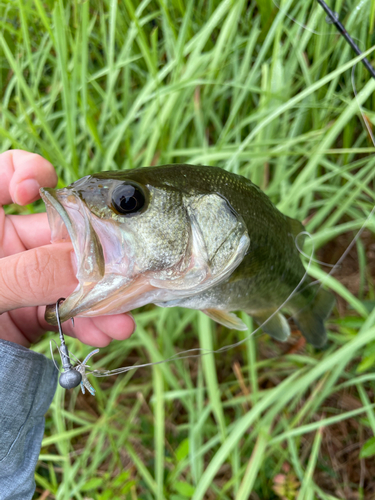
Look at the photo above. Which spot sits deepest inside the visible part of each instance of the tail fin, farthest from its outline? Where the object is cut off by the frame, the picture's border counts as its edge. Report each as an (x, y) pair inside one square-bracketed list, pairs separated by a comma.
[(311, 319)]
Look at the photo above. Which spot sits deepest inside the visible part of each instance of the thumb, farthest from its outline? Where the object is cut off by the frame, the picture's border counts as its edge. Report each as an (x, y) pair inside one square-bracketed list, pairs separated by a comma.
[(37, 277)]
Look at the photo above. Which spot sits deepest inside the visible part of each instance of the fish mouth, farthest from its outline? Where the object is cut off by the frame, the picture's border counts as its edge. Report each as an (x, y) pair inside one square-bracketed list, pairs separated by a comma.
[(69, 221), (107, 280)]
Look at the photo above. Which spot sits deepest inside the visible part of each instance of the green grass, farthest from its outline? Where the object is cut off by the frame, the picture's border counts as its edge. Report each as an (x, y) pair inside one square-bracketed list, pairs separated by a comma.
[(112, 85)]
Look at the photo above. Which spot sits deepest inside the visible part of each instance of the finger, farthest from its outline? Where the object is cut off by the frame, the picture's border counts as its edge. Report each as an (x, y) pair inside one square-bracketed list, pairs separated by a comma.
[(97, 332), (21, 176), (84, 330), (37, 277), (29, 230), (24, 326), (118, 326), (10, 331)]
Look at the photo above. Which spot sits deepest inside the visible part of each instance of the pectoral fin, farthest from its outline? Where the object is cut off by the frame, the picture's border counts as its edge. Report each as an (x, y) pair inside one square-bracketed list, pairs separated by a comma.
[(277, 326), (225, 318)]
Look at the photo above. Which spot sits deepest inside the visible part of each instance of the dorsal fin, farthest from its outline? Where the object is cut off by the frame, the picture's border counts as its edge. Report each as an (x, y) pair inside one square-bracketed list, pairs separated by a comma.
[(296, 226)]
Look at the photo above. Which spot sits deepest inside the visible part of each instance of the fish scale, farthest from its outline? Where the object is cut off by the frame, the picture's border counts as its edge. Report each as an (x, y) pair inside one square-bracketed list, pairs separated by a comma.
[(193, 236)]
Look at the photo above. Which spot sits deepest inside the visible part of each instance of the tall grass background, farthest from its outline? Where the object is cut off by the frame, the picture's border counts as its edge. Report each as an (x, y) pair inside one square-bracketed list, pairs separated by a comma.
[(261, 90)]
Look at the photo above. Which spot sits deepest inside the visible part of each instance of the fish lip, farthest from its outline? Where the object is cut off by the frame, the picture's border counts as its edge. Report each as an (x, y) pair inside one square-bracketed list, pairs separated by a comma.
[(54, 201), (51, 201)]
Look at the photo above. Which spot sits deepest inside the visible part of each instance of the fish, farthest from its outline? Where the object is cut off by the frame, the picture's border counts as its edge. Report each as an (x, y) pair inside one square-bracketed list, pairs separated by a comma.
[(192, 236)]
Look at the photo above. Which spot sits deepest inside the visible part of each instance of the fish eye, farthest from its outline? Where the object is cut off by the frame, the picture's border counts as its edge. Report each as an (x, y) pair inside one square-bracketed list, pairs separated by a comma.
[(128, 198)]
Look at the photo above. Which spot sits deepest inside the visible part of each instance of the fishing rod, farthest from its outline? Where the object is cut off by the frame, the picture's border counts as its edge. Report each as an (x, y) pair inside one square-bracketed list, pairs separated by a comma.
[(334, 19)]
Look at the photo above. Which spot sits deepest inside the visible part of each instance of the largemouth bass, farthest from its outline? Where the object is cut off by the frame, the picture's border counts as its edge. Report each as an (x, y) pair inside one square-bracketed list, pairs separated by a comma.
[(184, 235)]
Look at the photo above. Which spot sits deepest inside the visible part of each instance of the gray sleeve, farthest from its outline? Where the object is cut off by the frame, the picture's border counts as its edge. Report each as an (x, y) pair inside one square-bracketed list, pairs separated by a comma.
[(27, 386)]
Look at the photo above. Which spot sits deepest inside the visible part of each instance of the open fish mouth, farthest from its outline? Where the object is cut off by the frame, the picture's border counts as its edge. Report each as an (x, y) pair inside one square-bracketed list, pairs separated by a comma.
[(107, 280), (69, 222)]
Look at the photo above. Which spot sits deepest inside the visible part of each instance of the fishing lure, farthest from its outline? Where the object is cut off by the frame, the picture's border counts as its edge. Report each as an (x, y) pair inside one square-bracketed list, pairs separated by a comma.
[(71, 376)]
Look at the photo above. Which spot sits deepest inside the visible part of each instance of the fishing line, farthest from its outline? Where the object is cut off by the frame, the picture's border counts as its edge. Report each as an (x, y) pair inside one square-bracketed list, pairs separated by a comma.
[(304, 26), (84, 369), (345, 253), (316, 261), (333, 18)]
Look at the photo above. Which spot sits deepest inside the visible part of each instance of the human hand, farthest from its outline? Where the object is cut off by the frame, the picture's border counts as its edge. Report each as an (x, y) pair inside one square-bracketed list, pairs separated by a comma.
[(34, 273)]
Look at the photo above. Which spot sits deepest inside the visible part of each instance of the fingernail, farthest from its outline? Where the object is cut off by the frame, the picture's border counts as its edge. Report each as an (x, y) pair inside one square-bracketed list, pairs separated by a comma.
[(26, 192)]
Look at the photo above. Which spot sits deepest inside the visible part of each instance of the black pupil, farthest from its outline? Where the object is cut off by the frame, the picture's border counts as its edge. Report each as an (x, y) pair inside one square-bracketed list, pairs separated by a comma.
[(128, 199)]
